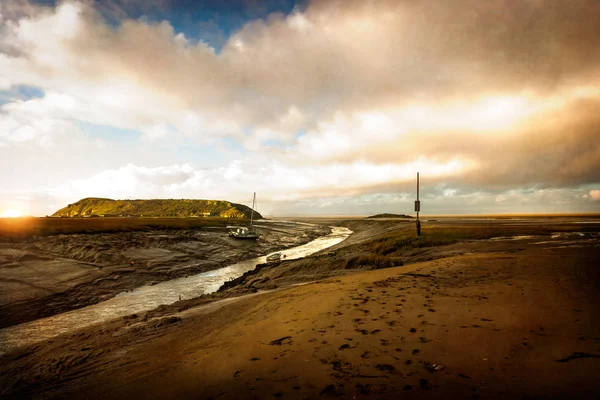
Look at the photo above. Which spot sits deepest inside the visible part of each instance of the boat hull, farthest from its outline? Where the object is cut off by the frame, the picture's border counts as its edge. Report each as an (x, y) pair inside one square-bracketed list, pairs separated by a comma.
[(247, 237), (243, 233)]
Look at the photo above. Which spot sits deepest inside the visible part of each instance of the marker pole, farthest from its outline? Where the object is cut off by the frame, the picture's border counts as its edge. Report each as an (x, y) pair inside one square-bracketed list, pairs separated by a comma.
[(418, 207)]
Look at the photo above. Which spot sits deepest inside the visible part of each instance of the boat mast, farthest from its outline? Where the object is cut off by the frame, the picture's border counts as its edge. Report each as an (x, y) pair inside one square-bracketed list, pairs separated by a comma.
[(252, 215)]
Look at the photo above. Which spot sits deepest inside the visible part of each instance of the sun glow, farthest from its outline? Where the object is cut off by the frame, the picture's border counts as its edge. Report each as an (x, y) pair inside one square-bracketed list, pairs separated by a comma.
[(12, 213)]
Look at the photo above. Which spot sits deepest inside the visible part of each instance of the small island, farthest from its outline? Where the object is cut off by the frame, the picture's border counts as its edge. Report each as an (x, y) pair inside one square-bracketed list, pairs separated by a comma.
[(157, 208), (388, 215)]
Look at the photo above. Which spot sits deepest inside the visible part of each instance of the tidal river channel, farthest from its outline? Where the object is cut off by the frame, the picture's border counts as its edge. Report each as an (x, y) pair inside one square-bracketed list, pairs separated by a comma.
[(149, 297)]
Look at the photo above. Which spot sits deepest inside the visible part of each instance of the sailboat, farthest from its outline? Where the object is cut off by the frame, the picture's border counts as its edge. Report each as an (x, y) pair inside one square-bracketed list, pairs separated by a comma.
[(241, 232)]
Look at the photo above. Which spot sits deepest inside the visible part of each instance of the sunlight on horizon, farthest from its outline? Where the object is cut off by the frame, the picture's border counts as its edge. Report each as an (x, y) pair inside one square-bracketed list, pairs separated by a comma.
[(11, 213)]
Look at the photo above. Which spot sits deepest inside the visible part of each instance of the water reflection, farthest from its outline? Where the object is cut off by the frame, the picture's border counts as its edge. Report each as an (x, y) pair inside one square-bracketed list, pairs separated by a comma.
[(148, 297)]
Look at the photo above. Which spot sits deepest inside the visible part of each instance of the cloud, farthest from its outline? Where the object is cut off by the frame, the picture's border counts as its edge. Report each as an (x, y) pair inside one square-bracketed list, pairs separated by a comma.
[(286, 192), (339, 190), (238, 178), (333, 56), (338, 99), (594, 194)]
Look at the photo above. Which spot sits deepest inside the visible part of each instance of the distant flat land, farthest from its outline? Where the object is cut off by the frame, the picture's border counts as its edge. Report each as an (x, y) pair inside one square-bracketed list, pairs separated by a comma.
[(387, 215)]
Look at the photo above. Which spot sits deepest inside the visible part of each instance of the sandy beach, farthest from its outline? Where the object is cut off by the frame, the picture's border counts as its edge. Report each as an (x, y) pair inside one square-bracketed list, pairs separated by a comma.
[(505, 318)]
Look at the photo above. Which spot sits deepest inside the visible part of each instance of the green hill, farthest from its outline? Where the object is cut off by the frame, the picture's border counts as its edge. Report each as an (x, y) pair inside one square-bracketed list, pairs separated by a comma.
[(96, 207), (387, 215)]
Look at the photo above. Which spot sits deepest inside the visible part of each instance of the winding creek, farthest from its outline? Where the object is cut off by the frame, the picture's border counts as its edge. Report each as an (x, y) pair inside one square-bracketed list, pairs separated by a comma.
[(148, 297)]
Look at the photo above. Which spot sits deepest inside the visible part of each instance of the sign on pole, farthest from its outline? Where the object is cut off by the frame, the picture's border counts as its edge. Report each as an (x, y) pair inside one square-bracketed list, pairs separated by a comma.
[(417, 205)]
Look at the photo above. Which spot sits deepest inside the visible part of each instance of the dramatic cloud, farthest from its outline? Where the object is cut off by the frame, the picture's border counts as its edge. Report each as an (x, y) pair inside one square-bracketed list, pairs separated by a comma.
[(335, 103)]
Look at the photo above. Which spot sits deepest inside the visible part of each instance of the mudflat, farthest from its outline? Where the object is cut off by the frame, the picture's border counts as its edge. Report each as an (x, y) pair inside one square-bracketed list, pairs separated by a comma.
[(44, 275), (511, 316)]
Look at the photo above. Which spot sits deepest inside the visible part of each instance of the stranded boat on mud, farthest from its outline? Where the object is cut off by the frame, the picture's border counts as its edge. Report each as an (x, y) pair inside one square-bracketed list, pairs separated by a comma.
[(275, 258), (241, 232)]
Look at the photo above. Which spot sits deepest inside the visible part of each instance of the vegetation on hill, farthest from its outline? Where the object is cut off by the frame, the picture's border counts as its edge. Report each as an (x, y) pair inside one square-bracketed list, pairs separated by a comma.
[(387, 215), (97, 207)]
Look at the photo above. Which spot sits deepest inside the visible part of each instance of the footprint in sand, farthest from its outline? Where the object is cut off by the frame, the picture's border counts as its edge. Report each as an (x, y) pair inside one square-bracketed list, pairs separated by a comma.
[(332, 390), (281, 341), (386, 368)]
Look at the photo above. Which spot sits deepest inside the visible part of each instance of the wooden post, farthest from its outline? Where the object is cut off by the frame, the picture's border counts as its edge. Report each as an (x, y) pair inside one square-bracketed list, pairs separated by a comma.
[(418, 207)]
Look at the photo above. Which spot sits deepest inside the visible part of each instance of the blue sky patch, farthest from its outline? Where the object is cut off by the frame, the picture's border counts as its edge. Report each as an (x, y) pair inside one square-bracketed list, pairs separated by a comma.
[(211, 21), (20, 93), (300, 133), (108, 132), (275, 143), (233, 145)]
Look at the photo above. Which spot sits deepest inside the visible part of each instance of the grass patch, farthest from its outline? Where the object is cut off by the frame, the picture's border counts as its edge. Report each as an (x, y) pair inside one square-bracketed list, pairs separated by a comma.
[(444, 235), (372, 260)]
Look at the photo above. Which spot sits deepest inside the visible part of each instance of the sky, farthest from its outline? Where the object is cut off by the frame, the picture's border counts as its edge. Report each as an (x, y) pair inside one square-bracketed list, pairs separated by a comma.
[(319, 106)]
